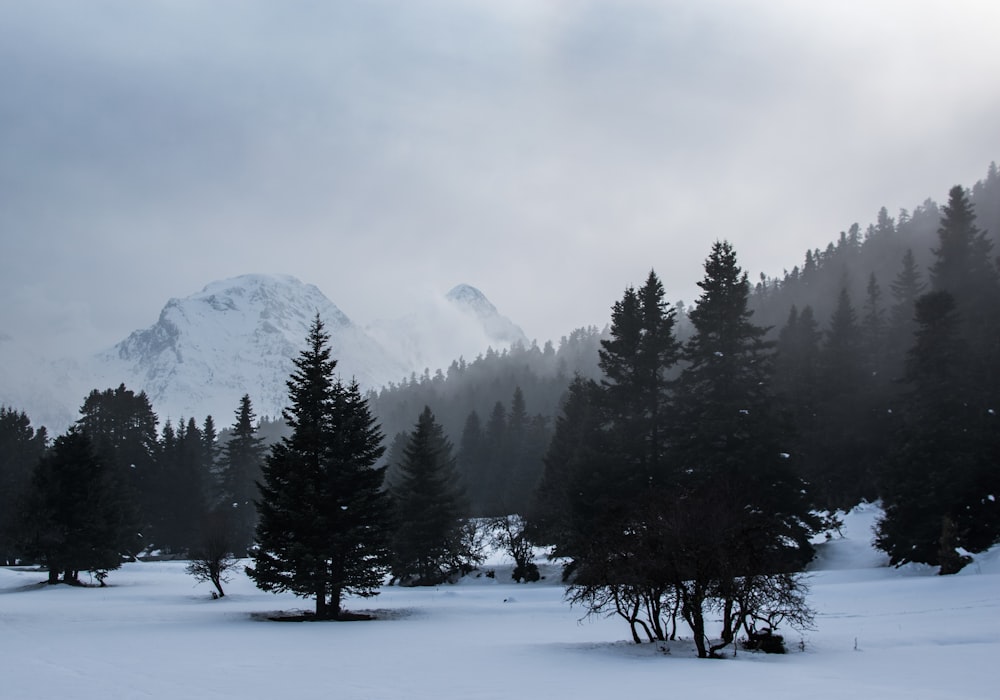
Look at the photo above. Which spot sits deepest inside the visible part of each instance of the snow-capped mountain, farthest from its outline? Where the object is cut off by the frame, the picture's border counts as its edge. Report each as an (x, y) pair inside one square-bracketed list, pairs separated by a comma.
[(234, 337), (462, 323), (239, 336), (499, 329)]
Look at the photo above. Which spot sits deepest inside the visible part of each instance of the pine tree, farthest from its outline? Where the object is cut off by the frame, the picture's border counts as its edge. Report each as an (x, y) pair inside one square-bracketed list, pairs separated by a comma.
[(242, 458), (874, 332), (797, 385), (473, 462), (906, 289), (496, 452), (77, 515), (210, 449), (740, 512), (21, 446), (796, 373), (842, 472), (430, 506), (601, 491), (323, 518), (568, 502), (636, 361), (964, 267), (939, 490), (122, 425), (959, 259)]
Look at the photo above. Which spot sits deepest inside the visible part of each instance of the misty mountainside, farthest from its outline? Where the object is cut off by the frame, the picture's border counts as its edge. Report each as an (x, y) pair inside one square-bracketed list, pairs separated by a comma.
[(462, 323), (238, 336), (875, 252)]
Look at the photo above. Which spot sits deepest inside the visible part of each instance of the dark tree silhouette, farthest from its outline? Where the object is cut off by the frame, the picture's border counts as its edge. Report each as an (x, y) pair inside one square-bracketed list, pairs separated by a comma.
[(324, 520)]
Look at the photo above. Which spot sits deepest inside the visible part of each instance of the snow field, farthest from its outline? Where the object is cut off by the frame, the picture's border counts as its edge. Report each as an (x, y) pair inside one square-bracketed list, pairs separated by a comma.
[(154, 633)]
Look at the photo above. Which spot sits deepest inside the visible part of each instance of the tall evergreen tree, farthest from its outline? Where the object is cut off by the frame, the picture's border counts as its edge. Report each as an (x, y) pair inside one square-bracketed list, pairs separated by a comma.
[(601, 496), (740, 513), (78, 515), (473, 461), (122, 425), (324, 520), (242, 459), (182, 487), (796, 374), (496, 450), (842, 472), (939, 490), (637, 360), (430, 506), (906, 289), (569, 507), (962, 258), (21, 446), (210, 449), (797, 385), (874, 331), (965, 268)]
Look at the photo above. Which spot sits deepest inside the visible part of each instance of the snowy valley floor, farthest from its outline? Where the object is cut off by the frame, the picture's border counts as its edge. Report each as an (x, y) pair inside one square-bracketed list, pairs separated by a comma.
[(152, 633)]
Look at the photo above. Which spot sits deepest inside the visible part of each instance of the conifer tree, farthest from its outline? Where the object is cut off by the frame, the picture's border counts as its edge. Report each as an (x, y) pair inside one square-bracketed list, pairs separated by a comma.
[(77, 515), (741, 512), (182, 474), (796, 374), (906, 289), (429, 506), (965, 268), (324, 520), (21, 446), (939, 490), (242, 458), (874, 333), (842, 472), (473, 462), (568, 509), (496, 451), (636, 361), (797, 385), (122, 426), (210, 450), (602, 490)]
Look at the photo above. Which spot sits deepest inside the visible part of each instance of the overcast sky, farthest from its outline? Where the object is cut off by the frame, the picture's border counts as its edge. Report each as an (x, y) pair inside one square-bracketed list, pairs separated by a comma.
[(548, 152)]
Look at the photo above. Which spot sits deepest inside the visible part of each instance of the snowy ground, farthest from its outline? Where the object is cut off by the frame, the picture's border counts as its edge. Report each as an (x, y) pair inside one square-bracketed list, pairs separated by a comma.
[(152, 633)]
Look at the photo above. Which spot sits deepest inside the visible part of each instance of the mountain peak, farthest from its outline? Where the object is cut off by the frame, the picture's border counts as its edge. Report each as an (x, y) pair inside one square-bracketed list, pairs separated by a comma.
[(498, 328), (467, 296), (271, 294), (237, 335)]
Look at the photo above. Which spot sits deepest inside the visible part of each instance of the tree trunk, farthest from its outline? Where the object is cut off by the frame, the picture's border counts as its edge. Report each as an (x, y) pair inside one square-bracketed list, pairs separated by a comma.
[(695, 617), (321, 612), (335, 596)]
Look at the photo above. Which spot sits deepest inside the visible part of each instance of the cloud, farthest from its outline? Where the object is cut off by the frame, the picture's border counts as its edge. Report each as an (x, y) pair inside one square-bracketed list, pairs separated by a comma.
[(550, 152)]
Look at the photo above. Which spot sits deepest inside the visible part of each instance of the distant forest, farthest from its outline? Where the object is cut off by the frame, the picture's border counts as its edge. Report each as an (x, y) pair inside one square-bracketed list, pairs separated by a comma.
[(846, 312)]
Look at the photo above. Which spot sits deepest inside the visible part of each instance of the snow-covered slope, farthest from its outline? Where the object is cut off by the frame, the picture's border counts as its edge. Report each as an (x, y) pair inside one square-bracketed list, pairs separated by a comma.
[(234, 337)]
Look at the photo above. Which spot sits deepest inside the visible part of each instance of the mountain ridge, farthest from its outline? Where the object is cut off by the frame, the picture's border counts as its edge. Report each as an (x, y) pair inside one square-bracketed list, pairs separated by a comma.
[(239, 336)]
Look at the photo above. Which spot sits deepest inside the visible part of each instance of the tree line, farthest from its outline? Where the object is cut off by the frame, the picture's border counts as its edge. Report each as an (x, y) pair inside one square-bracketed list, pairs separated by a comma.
[(680, 480)]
